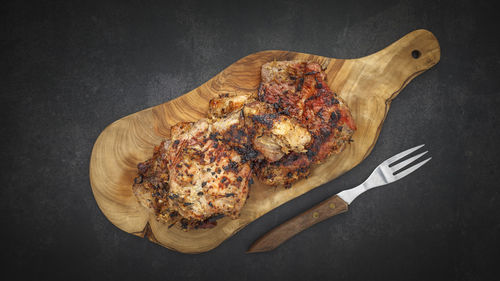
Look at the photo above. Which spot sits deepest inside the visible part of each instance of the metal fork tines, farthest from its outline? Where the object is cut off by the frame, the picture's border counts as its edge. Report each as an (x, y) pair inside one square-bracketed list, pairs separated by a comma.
[(386, 173)]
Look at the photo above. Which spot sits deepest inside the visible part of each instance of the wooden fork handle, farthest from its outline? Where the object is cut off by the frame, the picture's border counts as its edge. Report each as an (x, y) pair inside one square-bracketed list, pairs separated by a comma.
[(326, 209)]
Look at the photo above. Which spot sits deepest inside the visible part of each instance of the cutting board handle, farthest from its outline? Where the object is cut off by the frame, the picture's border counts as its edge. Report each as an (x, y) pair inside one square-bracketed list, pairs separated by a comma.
[(396, 65)]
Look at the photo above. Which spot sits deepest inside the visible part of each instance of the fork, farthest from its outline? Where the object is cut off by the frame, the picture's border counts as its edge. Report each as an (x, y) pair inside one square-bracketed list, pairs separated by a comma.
[(383, 174)]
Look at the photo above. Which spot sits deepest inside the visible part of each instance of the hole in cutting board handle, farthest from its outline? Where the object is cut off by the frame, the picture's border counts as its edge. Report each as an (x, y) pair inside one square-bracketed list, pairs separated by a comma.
[(415, 54)]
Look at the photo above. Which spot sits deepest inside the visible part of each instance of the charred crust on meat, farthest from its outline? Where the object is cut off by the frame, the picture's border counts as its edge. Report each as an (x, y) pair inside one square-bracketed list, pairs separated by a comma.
[(319, 85), (138, 180), (285, 111), (335, 116), (265, 119), (213, 136), (292, 157), (247, 153), (320, 114), (232, 166), (301, 83), (239, 179), (310, 153), (241, 133), (276, 106), (261, 93), (325, 132), (184, 223), (143, 167)]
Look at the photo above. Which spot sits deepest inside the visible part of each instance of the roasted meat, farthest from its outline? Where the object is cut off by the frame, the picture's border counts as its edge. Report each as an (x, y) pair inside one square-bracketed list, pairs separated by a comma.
[(207, 176), (270, 133), (197, 177), (298, 90), (203, 172)]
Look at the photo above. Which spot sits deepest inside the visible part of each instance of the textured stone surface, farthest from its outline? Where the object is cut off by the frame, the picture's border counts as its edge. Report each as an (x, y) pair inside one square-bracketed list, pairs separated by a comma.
[(70, 69)]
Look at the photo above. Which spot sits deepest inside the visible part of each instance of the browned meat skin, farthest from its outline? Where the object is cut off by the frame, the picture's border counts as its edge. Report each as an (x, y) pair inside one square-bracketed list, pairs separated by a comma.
[(290, 168), (227, 103), (151, 185), (298, 89)]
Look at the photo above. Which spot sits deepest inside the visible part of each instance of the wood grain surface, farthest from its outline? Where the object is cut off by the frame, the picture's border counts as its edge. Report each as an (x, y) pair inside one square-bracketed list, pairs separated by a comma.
[(368, 85)]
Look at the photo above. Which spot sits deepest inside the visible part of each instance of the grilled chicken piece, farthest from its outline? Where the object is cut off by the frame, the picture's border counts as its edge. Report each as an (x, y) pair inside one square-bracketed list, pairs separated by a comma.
[(207, 176), (298, 89), (198, 176)]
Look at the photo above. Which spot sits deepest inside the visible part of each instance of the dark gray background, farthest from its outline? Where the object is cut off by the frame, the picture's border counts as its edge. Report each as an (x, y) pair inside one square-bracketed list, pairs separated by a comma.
[(70, 69)]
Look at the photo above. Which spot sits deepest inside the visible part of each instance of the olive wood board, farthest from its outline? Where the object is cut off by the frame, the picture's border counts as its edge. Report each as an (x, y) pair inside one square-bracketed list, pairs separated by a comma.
[(367, 85)]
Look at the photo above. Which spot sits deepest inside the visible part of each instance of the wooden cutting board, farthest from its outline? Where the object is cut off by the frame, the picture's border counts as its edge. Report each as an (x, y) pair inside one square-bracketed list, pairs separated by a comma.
[(367, 84)]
